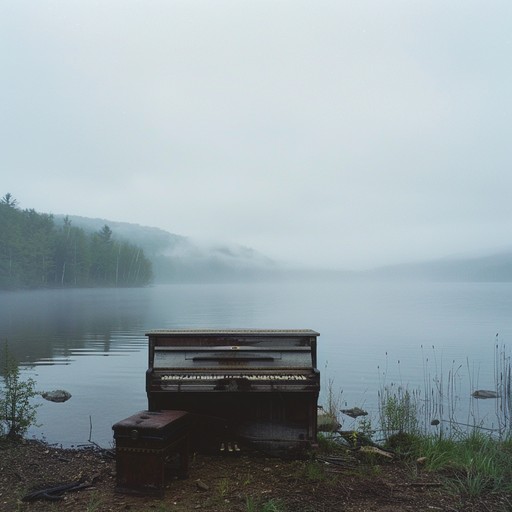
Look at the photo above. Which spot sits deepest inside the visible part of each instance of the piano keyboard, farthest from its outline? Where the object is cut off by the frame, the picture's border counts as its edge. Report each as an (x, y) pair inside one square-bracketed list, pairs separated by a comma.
[(257, 377)]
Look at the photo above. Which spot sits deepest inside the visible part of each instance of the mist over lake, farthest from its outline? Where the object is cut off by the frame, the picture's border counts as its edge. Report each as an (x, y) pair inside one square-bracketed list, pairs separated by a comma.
[(92, 343)]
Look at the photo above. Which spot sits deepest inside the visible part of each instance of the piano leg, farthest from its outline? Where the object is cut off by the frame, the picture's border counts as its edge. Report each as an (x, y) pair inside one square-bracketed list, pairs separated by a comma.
[(184, 450)]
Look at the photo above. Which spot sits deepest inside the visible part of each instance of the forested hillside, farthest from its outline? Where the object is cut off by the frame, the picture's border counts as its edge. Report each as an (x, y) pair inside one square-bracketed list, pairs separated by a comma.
[(177, 258), (35, 253)]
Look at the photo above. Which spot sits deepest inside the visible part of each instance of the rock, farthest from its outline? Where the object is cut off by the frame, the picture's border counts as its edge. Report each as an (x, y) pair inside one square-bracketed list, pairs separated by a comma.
[(59, 395), (327, 422), (355, 412), (201, 485), (484, 393)]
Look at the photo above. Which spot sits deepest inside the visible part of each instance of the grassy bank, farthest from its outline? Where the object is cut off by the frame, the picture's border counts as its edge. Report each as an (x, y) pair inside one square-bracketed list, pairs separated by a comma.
[(421, 428)]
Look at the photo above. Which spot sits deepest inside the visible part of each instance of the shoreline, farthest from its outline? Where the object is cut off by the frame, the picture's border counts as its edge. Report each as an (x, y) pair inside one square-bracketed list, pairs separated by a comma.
[(245, 483)]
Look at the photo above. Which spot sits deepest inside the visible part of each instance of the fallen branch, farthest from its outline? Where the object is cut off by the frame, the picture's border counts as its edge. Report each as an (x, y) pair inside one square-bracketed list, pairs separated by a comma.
[(55, 493), (376, 451), (420, 484), (425, 484)]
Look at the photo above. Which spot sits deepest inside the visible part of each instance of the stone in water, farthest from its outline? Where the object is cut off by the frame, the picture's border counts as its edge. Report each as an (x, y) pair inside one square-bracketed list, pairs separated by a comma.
[(59, 395)]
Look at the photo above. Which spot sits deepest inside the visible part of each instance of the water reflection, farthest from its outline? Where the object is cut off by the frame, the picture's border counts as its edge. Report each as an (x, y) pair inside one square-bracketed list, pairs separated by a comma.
[(57, 325)]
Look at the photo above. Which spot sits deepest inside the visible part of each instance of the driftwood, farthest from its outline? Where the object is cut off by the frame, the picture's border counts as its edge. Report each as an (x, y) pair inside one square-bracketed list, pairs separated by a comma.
[(377, 451), (55, 493)]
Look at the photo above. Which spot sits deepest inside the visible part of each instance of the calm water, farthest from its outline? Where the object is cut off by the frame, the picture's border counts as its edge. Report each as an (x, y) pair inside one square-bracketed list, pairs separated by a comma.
[(92, 342)]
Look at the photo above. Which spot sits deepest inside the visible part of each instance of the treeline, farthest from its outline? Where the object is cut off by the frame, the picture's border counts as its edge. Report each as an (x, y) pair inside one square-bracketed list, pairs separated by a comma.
[(35, 253)]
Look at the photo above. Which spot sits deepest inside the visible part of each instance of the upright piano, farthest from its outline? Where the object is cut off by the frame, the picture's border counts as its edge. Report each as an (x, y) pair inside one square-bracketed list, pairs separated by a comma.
[(242, 385)]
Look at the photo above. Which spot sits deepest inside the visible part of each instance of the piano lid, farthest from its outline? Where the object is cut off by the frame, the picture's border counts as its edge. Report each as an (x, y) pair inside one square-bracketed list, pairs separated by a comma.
[(232, 332)]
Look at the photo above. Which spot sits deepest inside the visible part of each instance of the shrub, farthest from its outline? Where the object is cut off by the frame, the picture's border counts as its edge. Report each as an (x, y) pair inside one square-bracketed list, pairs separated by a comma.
[(398, 411), (17, 413)]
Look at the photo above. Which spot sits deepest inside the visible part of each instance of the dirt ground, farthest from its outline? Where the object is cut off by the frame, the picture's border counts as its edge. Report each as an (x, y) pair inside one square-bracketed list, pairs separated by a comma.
[(247, 482)]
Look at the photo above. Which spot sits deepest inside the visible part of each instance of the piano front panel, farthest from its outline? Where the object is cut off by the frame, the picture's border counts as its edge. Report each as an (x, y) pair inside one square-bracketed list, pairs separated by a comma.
[(235, 411), (232, 357)]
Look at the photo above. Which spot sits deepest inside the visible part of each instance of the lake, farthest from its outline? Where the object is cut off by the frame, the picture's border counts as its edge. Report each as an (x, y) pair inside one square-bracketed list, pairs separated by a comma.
[(92, 342)]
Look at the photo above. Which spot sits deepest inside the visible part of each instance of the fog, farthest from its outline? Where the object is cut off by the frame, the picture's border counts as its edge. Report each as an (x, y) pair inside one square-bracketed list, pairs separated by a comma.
[(336, 133)]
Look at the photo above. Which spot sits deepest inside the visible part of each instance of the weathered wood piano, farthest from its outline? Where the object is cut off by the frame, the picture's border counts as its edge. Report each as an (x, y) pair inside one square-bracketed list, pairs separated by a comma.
[(241, 385)]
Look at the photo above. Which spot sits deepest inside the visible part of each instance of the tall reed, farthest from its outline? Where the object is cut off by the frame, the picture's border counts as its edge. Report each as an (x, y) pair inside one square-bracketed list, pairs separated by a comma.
[(444, 404), (503, 380)]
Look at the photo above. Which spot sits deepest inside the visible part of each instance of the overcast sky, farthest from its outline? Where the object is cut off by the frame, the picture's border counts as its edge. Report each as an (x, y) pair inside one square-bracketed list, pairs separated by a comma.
[(341, 133)]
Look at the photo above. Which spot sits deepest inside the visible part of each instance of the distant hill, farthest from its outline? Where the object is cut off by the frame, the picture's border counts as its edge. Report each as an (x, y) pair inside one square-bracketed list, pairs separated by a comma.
[(493, 268), (152, 240), (177, 258)]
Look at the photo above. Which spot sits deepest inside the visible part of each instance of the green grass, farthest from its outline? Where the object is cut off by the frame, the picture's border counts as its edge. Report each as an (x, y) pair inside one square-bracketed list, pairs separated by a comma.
[(471, 464), (95, 503), (223, 487), (329, 444), (314, 471), (273, 505), (474, 464)]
